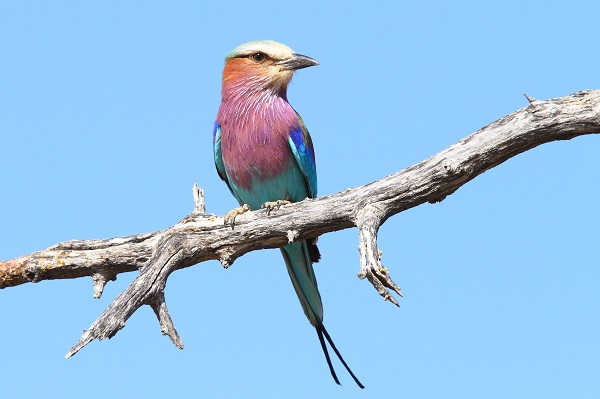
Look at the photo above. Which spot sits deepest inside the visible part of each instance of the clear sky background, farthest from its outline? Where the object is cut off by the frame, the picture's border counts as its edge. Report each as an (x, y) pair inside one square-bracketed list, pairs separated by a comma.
[(106, 116)]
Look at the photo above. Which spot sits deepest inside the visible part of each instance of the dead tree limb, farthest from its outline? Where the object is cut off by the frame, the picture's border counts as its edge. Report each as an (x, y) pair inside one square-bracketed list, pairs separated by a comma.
[(199, 236)]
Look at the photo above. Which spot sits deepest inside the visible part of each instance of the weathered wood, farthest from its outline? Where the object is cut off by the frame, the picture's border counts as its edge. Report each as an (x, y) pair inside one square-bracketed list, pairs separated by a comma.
[(199, 237)]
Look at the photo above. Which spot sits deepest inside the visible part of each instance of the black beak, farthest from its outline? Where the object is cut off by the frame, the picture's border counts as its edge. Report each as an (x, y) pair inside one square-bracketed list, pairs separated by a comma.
[(298, 61)]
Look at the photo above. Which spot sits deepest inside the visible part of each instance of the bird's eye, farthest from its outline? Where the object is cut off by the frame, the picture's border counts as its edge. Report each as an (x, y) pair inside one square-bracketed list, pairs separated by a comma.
[(258, 57)]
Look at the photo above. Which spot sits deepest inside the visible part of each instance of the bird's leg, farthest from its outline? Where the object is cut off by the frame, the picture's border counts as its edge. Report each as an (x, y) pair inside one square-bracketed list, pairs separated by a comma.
[(231, 215), (270, 205)]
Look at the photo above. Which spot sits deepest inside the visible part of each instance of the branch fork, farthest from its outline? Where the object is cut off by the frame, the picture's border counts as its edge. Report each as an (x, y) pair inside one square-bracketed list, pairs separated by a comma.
[(146, 289)]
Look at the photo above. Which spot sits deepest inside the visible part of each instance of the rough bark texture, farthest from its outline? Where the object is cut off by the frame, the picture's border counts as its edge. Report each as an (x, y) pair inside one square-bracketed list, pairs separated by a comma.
[(199, 237)]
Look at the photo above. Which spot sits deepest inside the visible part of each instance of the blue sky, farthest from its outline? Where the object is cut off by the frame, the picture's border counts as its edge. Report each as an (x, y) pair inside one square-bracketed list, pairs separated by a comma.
[(106, 115)]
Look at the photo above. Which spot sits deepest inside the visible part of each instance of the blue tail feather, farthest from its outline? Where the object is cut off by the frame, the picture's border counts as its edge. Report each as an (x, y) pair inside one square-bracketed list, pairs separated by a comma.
[(299, 265)]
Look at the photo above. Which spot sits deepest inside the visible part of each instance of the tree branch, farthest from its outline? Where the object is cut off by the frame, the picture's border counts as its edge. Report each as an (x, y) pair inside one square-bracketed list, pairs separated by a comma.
[(199, 237)]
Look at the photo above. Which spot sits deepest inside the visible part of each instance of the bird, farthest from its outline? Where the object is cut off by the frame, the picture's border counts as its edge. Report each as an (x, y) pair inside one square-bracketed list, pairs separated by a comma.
[(265, 155)]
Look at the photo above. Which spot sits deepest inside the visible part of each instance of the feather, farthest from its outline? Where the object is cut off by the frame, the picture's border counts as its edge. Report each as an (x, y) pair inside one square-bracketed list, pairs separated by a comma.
[(302, 148)]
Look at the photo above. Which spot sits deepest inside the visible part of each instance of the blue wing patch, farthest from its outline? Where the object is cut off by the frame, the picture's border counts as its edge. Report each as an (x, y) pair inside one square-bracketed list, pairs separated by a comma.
[(303, 150)]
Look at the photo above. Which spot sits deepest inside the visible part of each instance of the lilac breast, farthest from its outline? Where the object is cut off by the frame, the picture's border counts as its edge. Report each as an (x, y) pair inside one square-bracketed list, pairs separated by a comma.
[(254, 139)]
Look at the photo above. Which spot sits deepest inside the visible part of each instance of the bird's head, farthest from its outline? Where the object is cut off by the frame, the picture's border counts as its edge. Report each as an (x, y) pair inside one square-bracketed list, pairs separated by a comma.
[(263, 64)]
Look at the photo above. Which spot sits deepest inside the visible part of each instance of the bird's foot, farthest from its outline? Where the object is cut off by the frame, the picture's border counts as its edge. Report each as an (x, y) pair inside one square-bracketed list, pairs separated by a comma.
[(231, 215), (270, 205)]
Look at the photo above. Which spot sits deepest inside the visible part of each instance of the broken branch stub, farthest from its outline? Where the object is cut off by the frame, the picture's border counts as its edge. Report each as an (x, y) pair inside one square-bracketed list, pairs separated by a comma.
[(368, 221)]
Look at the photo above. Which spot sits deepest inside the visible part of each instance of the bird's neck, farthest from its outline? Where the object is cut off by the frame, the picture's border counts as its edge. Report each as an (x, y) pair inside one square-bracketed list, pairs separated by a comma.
[(253, 88), (247, 101)]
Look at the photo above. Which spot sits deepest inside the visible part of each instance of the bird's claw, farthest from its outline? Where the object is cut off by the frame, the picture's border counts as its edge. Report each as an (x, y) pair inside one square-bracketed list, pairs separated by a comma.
[(231, 215), (270, 205)]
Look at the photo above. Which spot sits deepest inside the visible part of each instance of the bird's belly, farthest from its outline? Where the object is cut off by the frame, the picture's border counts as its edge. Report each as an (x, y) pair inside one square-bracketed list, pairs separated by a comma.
[(288, 184)]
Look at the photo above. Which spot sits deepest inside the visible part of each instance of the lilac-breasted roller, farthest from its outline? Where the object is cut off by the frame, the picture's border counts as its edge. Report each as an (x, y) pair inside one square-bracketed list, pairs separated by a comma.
[(265, 155)]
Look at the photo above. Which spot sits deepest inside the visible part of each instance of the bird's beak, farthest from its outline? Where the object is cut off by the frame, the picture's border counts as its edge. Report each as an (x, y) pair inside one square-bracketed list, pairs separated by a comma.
[(298, 61)]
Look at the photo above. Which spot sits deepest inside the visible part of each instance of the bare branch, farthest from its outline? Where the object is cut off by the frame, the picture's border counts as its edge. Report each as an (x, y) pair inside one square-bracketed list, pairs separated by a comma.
[(529, 98), (100, 279), (199, 237), (146, 289), (167, 327), (368, 222), (74, 259), (199, 207)]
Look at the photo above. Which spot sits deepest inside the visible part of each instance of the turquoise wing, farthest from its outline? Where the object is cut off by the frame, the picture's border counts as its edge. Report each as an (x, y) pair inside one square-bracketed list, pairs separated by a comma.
[(217, 152)]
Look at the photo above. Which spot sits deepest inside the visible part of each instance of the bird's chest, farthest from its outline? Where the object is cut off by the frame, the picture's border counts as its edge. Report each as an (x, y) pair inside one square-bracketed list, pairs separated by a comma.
[(255, 152)]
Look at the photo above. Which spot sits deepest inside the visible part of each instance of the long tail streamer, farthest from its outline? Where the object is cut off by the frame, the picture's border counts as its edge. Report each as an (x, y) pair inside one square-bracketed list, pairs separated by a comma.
[(321, 331)]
